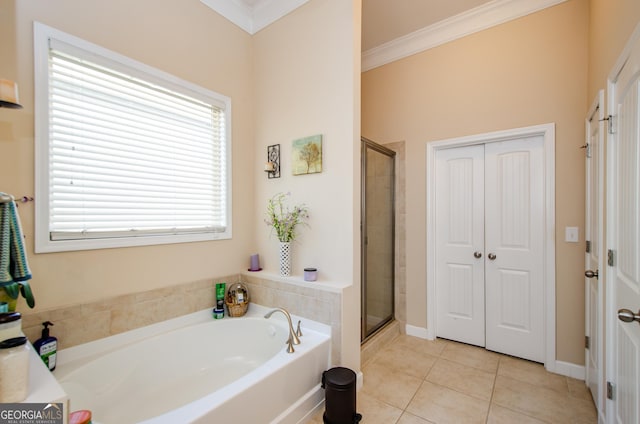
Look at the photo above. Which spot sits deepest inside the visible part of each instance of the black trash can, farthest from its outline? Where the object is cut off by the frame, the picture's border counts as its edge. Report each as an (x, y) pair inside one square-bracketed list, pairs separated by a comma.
[(339, 386)]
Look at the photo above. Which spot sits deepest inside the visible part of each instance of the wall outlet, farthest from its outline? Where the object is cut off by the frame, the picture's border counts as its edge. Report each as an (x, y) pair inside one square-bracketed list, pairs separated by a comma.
[(571, 234)]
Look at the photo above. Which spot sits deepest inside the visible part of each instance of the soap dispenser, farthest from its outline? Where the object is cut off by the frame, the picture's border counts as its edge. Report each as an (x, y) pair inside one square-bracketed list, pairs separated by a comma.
[(47, 347)]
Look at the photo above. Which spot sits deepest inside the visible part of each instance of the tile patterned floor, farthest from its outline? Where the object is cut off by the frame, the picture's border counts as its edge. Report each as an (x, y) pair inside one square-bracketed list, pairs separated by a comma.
[(416, 381)]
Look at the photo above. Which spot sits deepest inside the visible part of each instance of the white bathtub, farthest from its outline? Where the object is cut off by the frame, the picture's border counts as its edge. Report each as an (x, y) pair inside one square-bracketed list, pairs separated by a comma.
[(195, 369)]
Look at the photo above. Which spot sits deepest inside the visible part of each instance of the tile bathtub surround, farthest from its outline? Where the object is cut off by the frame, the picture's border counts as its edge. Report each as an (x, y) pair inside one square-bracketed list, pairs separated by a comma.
[(310, 300), (415, 381), (82, 323), (400, 274)]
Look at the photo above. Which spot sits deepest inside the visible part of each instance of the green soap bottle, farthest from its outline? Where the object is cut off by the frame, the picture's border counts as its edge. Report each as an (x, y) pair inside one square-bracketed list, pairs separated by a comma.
[(47, 347), (218, 311)]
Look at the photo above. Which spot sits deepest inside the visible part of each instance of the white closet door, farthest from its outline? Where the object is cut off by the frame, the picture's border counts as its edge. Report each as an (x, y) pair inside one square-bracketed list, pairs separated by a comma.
[(514, 269), (623, 227), (460, 239), (593, 290)]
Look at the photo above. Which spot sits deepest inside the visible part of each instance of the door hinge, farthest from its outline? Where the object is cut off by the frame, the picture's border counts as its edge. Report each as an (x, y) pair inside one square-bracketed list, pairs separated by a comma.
[(610, 257), (609, 390), (587, 342), (588, 248), (611, 121)]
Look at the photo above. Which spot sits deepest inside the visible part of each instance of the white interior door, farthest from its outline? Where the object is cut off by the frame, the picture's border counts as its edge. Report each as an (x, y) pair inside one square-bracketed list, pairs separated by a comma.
[(460, 244), (623, 226), (594, 311), (489, 245), (514, 228)]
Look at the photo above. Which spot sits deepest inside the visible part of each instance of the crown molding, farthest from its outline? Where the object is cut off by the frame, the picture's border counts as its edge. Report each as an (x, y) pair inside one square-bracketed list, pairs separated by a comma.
[(256, 15), (480, 18)]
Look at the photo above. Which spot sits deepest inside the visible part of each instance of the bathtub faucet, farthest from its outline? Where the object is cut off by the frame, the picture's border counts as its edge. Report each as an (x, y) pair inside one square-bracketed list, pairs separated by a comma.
[(293, 338)]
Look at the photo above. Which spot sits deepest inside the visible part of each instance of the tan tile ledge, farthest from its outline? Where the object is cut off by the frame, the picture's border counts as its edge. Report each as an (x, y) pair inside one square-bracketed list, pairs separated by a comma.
[(298, 280)]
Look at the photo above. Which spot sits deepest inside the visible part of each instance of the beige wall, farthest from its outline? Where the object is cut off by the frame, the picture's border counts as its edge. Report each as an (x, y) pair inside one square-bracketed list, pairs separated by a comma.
[(296, 78), (610, 26), (307, 82), (182, 38), (304, 87), (529, 71)]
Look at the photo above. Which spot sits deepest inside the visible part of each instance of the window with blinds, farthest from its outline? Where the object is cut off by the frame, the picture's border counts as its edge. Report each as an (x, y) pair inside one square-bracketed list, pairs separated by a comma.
[(129, 155)]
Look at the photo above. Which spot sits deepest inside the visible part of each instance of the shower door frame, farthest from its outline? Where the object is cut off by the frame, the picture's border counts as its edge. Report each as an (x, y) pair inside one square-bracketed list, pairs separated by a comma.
[(368, 144)]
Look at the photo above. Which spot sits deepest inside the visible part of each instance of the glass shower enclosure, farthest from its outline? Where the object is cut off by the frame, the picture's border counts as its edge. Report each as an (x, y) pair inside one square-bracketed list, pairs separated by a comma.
[(377, 237)]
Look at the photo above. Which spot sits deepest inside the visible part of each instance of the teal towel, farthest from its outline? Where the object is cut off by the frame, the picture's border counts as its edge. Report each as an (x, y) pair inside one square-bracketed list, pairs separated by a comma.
[(13, 258)]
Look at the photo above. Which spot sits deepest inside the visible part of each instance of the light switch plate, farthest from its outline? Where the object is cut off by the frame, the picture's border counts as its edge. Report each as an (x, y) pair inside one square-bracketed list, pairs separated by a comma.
[(571, 234)]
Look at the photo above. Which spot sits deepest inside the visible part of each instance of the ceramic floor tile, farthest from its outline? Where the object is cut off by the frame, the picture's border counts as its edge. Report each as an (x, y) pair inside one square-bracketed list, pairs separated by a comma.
[(583, 411), (531, 372), (536, 401), (578, 389), (427, 347), (402, 360), (388, 386), (462, 378), (408, 418), (500, 415), (472, 356), (317, 418), (374, 411), (464, 384), (442, 405)]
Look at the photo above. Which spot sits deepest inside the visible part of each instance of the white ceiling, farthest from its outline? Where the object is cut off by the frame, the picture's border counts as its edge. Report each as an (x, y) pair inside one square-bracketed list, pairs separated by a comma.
[(253, 3), (253, 15), (393, 29)]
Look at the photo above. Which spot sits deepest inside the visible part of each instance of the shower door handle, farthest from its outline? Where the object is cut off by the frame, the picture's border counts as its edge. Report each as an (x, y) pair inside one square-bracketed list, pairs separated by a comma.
[(477, 255)]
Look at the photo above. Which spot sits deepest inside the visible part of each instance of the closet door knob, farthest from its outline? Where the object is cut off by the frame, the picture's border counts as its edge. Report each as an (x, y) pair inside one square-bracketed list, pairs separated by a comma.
[(590, 274), (628, 316), (492, 256), (477, 255)]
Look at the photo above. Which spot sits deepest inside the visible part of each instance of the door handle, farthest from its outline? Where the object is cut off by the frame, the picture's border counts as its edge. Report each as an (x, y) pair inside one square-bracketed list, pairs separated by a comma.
[(477, 255), (628, 316), (492, 256), (590, 274)]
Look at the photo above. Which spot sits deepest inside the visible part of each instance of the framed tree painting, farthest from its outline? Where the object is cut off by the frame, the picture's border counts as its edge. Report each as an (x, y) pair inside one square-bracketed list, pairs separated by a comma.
[(307, 155)]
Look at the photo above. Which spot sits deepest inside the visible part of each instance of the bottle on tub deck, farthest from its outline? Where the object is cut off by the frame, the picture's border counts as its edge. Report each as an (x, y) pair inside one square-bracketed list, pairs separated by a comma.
[(47, 347), (218, 310), (14, 370)]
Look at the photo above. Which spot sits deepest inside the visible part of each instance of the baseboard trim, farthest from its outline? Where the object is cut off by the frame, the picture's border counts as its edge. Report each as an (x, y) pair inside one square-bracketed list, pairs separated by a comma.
[(420, 332), (359, 380), (601, 417), (569, 370)]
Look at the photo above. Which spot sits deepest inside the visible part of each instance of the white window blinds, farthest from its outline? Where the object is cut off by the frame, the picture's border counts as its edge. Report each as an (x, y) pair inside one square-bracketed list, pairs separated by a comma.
[(129, 157)]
